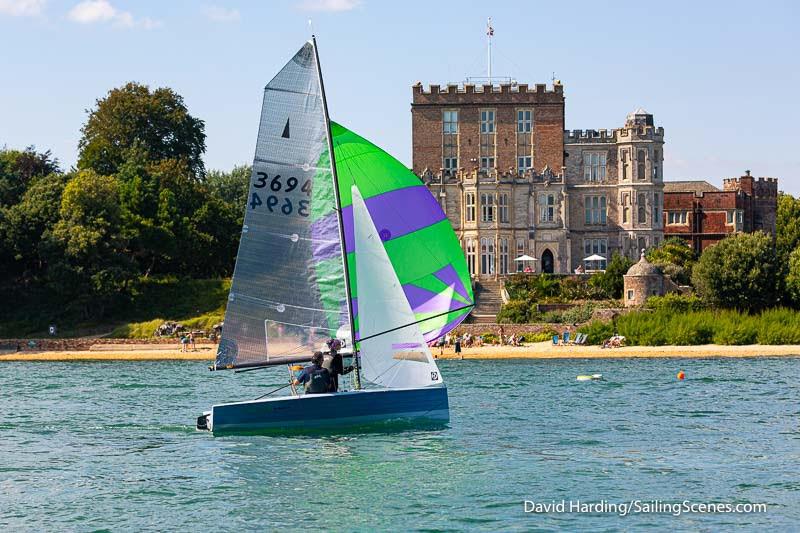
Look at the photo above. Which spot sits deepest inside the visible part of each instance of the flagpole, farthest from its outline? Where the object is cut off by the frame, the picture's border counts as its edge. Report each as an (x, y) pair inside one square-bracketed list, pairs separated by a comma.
[(489, 32)]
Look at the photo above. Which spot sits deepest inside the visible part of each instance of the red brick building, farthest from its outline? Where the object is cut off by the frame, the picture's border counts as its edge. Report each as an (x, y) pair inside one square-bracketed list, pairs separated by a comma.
[(506, 127), (703, 214)]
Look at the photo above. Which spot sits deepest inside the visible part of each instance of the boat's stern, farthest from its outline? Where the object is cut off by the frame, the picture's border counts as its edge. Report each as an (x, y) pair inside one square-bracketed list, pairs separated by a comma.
[(204, 422)]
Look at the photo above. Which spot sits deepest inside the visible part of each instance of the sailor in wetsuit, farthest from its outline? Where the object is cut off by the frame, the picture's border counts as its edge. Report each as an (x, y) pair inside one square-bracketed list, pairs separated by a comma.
[(316, 379), (335, 363)]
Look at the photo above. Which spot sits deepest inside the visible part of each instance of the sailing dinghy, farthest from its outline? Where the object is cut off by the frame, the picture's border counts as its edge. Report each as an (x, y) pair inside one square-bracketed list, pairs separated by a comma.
[(340, 240)]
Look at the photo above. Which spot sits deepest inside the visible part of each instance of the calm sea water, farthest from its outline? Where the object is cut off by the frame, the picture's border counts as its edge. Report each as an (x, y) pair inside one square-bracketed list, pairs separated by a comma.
[(112, 446)]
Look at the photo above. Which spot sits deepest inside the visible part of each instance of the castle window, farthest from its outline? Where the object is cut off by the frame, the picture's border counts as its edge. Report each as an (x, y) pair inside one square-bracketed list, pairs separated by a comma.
[(676, 217), (642, 243), (504, 255), (524, 163), (520, 252), (487, 256), (595, 246), (630, 294), (524, 121), (504, 207), (656, 210), (450, 166), (640, 167), (487, 121), (449, 122), (487, 207), (487, 163), (594, 166), (471, 246), (623, 155), (642, 210), (470, 201), (730, 217), (595, 210), (547, 207)]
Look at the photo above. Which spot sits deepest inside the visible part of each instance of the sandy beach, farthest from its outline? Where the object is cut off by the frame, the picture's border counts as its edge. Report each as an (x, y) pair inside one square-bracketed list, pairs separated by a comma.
[(543, 350)]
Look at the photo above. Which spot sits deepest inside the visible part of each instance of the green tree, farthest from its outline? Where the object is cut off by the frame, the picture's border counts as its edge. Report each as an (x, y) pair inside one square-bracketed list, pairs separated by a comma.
[(88, 268), (230, 187), (611, 282), (134, 118), (741, 272), (793, 276), (19, 168), (675, 257), (27, 223), (787, 225)]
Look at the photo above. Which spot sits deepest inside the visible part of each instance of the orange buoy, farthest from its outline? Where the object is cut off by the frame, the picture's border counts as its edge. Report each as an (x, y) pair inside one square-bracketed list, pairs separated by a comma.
[(681, 375)]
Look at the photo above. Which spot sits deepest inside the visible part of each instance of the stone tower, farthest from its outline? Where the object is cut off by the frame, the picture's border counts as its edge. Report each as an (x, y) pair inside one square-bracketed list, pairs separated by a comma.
[(643, 280), (640, 157)]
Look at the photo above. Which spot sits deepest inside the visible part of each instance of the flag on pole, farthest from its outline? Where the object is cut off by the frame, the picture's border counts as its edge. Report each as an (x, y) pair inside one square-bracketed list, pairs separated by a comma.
[(489, 29)]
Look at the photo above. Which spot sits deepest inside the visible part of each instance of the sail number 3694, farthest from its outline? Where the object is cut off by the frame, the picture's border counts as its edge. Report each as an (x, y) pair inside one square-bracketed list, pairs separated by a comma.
[(283, 205)]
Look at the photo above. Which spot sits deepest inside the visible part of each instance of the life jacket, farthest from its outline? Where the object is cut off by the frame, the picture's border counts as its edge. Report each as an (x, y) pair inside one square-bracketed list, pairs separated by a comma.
[(319, 380)]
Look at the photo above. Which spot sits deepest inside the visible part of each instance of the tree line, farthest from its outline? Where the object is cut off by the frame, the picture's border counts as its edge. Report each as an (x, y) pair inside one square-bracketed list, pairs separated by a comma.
[(139, 203)]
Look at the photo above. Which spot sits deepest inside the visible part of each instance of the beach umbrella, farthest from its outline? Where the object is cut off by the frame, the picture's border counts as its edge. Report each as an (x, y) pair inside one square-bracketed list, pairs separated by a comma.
[(594, 257)]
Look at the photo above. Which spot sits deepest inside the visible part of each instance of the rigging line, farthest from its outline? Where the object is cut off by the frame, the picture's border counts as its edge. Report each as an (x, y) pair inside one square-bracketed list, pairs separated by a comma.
[(348, 290), (417, 322)]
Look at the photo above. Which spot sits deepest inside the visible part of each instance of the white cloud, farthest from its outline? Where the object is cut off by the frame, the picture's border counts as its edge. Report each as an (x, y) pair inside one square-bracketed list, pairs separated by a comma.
[(220, 14), (329, 5), (99, 11), (21, 8)]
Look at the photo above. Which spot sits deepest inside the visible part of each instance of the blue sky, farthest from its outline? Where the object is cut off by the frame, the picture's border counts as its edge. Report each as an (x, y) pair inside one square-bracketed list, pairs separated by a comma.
[(721, 78)]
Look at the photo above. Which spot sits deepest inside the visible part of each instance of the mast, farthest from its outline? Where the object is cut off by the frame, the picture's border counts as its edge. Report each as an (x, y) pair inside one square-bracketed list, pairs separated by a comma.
[(347, 290)]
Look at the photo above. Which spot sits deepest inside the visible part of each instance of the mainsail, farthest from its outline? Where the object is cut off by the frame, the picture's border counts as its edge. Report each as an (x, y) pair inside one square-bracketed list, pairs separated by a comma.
[(393, 351), (288, 292), (419, 240)]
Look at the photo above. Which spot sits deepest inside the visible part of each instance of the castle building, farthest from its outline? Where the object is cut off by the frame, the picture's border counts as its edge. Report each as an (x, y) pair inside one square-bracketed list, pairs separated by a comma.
[(513, 182), (703, 214)]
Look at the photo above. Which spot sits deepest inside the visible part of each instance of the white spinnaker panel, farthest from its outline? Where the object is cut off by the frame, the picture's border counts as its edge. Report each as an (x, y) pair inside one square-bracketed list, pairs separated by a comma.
[(400, 358)]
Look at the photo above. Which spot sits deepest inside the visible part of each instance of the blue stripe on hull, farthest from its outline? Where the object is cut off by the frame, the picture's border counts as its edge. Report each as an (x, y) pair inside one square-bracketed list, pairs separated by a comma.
[(341, 410)]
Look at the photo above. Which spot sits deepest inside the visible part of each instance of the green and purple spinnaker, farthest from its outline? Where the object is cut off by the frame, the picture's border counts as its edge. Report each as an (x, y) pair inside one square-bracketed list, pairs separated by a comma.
[(416, 234)]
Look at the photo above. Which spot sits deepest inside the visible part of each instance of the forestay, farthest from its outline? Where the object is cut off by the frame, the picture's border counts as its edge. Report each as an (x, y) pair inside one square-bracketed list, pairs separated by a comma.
[(397, 355), (288, 293)]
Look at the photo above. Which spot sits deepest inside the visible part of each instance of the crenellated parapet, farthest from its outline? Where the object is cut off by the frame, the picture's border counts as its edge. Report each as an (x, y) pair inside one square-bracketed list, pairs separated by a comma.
[(641, 133), (458, 94), (758, 187), (589, 136), (493, 175)]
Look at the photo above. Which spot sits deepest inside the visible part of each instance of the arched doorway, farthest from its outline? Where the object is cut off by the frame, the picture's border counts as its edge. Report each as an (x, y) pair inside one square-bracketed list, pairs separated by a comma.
[(547, 262)]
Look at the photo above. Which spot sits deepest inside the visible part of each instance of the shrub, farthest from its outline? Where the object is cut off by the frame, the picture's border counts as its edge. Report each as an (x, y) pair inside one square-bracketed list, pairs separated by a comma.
[(553, 317), (515, 312), (538, 337), (676, 303), (736, 329), (579, 314), (597, 331), (739, 272), (610, 283)]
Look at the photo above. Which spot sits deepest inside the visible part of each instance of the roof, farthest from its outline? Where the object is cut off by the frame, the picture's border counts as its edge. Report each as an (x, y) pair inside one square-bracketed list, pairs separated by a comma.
[(695, 186), (643, 268)]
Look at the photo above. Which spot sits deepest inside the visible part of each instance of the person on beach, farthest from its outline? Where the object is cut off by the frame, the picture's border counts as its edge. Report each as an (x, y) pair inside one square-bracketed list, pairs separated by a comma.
[(184, 343), (458, 348), (191, 341), (315, 378), (335, 364)]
